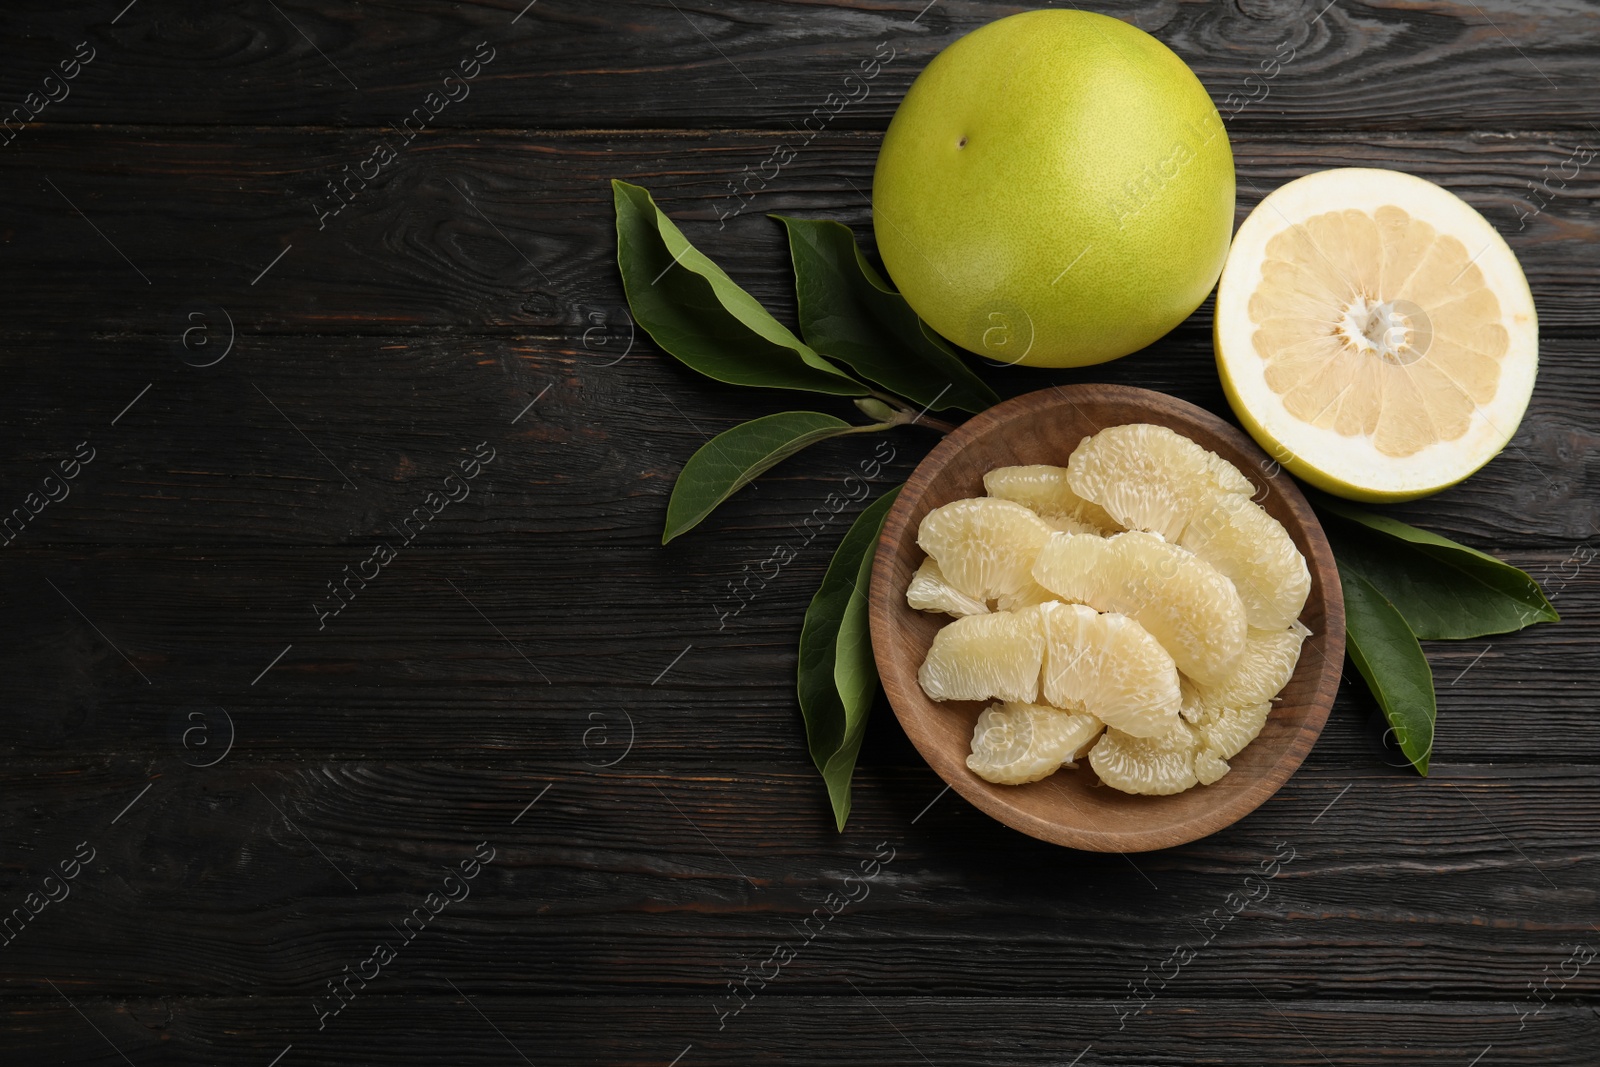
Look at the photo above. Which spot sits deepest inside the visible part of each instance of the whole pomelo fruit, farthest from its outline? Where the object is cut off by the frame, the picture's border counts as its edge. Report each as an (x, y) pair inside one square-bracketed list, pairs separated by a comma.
[(1056, 189)]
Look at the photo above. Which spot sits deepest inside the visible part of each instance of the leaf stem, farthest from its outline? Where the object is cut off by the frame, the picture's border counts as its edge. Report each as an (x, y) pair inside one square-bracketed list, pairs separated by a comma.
[(875, 427), (935, 424), (905, 415), (902, 417)]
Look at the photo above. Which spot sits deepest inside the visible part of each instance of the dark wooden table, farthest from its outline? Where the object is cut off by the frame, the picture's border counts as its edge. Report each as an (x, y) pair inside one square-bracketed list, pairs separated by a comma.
[(252, 383)]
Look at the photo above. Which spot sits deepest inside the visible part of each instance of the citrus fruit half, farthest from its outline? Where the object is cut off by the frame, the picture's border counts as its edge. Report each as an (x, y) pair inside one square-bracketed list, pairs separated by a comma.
[(1375, 334)]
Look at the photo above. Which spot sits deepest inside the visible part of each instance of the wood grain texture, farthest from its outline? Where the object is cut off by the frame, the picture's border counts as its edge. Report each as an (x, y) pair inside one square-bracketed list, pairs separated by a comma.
[(767, 64), (162, 616), (415, 672), (842, 1026), (268, 878), (1069, 808), (594, 457), (512, 230)]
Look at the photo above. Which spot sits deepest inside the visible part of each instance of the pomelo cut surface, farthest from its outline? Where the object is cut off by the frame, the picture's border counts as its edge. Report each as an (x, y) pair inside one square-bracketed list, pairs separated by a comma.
[(1375, 334)]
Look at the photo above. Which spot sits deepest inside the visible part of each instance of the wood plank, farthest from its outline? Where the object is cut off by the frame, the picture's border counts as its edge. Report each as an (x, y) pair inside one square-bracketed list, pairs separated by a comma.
[(258, 448), (244, 539), (268, 880), (649, 63), (520, 648), (824, 1030), (504, 231), (845, 1026)]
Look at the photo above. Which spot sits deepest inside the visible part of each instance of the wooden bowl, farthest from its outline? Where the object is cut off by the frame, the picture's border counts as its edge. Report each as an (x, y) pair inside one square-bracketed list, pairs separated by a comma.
[(1071, 807)]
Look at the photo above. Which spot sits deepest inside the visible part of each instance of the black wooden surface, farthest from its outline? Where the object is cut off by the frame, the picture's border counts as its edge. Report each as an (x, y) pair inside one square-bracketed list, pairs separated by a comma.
[(266, 798)]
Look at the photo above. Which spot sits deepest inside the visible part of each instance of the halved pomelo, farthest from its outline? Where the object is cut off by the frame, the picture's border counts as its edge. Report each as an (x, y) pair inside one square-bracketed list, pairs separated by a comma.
[(1375, 334)]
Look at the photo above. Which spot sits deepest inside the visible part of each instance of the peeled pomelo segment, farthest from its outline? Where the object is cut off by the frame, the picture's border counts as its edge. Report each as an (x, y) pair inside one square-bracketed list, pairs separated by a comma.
[(1015, 743), (1046, 491), (1149, 477), (1185, 603), (1110, 667), (1189, 705), (1086, 731), (1080, 568), (986, 657), (1263, 669), (1375, 334), (984, 547), (1153, 766), (1209, 767), (1227, 734), (929, 591), (1236, 536), (1062, 524), (1032, 594)]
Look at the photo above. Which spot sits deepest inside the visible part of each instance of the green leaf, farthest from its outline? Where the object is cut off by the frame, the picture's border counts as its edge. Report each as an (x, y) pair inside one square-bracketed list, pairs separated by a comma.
[(1388, 656), (1443, 589), (837, 677), (734, 458), (848, 312), (696, 313), (855, 671)]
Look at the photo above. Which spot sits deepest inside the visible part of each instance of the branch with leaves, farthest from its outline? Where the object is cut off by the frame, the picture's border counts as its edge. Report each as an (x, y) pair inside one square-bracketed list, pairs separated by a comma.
[(863, 342)]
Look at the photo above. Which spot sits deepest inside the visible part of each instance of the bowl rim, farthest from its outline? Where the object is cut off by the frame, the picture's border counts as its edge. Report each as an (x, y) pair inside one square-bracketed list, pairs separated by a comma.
[(884, 601)]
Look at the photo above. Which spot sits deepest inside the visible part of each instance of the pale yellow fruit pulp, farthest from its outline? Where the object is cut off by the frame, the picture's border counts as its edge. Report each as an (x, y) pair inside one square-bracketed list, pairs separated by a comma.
[(984, 547), (1236, 536), (1227, 734), (1262, 670), (1184, 602), (986, 657), (1375, 334), (1016, 743), (929, 591), (1224, 737), (1162, 644), (1149, 477), (1153, 766), (1047, 492), (1110, 667)]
